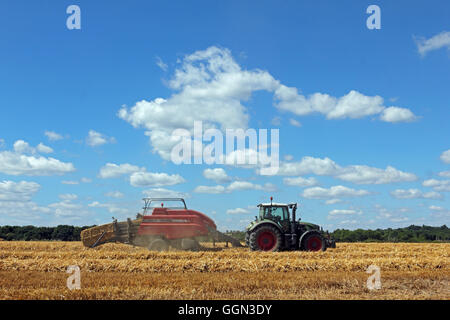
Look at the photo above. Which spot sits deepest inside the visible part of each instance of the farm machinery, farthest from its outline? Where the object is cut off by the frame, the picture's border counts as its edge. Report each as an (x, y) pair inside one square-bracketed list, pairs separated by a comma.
[(277, 229), (164, 223)]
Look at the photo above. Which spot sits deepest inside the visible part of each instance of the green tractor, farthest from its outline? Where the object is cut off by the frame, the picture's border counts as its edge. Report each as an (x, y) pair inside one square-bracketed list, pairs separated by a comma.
[(276, 229)]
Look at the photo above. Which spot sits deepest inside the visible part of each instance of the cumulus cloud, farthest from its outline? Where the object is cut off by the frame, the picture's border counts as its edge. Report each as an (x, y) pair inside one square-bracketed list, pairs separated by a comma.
[(436, 42), (114, 194), (164, 193), (14, 163), (209, 86), (295, 123), (113, 208), (161, 64), (415, 194), (445, 174), (210, 189), (236, 186), (22, 147), (338, 212), (445, 156), (359, 174), (396, 114), (18, 191), (238, 211), (218, 175), (42, 148), (437, 185), (145, 179), (95, 139), (53, 136), (112, 170), (334, 192), (301, 182), (245, 185), (68, 196)]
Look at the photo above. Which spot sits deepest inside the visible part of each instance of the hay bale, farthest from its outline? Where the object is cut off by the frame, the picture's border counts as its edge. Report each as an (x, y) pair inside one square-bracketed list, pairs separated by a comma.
[(91, 235)]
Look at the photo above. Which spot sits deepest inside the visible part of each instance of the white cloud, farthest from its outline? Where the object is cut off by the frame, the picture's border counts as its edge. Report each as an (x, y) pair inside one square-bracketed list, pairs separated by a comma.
[(436, 42), (295, 123), (68, 196), (301, 182), (218, 175), (333, 201), (359, 174), (53, 136), (114, 194), (42, 148), (17, 191), (145, 179), (415, 194), (23, 147), (95, 139), (337, 212), (14, 163), (70, 182), (113, 208), (86, 180), (236, 186), (445, 174), (2, 143), (437, 185), (164, 193), (161, 64), (245, 185), (396, 114), (333, 193), (238, 211), (209, 86), (445, 156), (210, 189), (353, 105), (112, 170), (276, 121)]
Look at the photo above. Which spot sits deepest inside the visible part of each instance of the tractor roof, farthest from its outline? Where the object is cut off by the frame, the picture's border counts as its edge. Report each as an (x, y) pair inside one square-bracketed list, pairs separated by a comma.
[(274, 204)]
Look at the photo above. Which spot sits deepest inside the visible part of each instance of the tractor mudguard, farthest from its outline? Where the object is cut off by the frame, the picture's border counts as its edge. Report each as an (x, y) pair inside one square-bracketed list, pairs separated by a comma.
[(263, 222), (307, 233)]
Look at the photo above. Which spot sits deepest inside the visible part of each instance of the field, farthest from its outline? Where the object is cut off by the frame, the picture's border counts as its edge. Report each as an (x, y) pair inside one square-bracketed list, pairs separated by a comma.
[(37, 270)]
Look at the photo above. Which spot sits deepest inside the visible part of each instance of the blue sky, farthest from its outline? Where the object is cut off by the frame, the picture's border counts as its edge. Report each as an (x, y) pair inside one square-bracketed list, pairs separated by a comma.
[(362, 114)]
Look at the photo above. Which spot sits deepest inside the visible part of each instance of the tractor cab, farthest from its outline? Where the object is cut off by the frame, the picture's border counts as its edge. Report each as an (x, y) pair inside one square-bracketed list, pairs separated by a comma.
[(280, 213)]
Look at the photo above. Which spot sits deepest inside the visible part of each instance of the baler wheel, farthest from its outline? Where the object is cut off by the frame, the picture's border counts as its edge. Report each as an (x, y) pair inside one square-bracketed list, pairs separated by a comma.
[(158, 245)]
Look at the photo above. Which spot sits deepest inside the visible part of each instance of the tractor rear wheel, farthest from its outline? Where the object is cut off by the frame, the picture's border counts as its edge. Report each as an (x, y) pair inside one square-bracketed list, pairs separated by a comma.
[(314, 242), (265, 238), (158, 245)]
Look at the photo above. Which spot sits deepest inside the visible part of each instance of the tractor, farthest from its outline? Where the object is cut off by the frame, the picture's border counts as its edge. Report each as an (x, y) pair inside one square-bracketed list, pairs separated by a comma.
[(276, 229)]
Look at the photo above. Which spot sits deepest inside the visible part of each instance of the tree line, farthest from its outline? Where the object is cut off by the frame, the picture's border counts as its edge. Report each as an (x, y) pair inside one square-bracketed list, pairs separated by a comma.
[(408, 234), (31, 233)]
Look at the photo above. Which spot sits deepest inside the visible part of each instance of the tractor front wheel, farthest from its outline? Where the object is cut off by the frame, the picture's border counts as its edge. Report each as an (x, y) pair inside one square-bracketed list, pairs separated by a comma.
[(314, 242), (265, 238)]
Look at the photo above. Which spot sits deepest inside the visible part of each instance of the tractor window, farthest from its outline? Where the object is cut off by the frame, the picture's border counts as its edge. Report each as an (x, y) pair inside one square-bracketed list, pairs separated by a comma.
[(271, 212)]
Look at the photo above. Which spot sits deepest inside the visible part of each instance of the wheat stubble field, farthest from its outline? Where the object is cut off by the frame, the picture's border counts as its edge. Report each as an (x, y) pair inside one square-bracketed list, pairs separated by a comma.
[(37, 270)]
